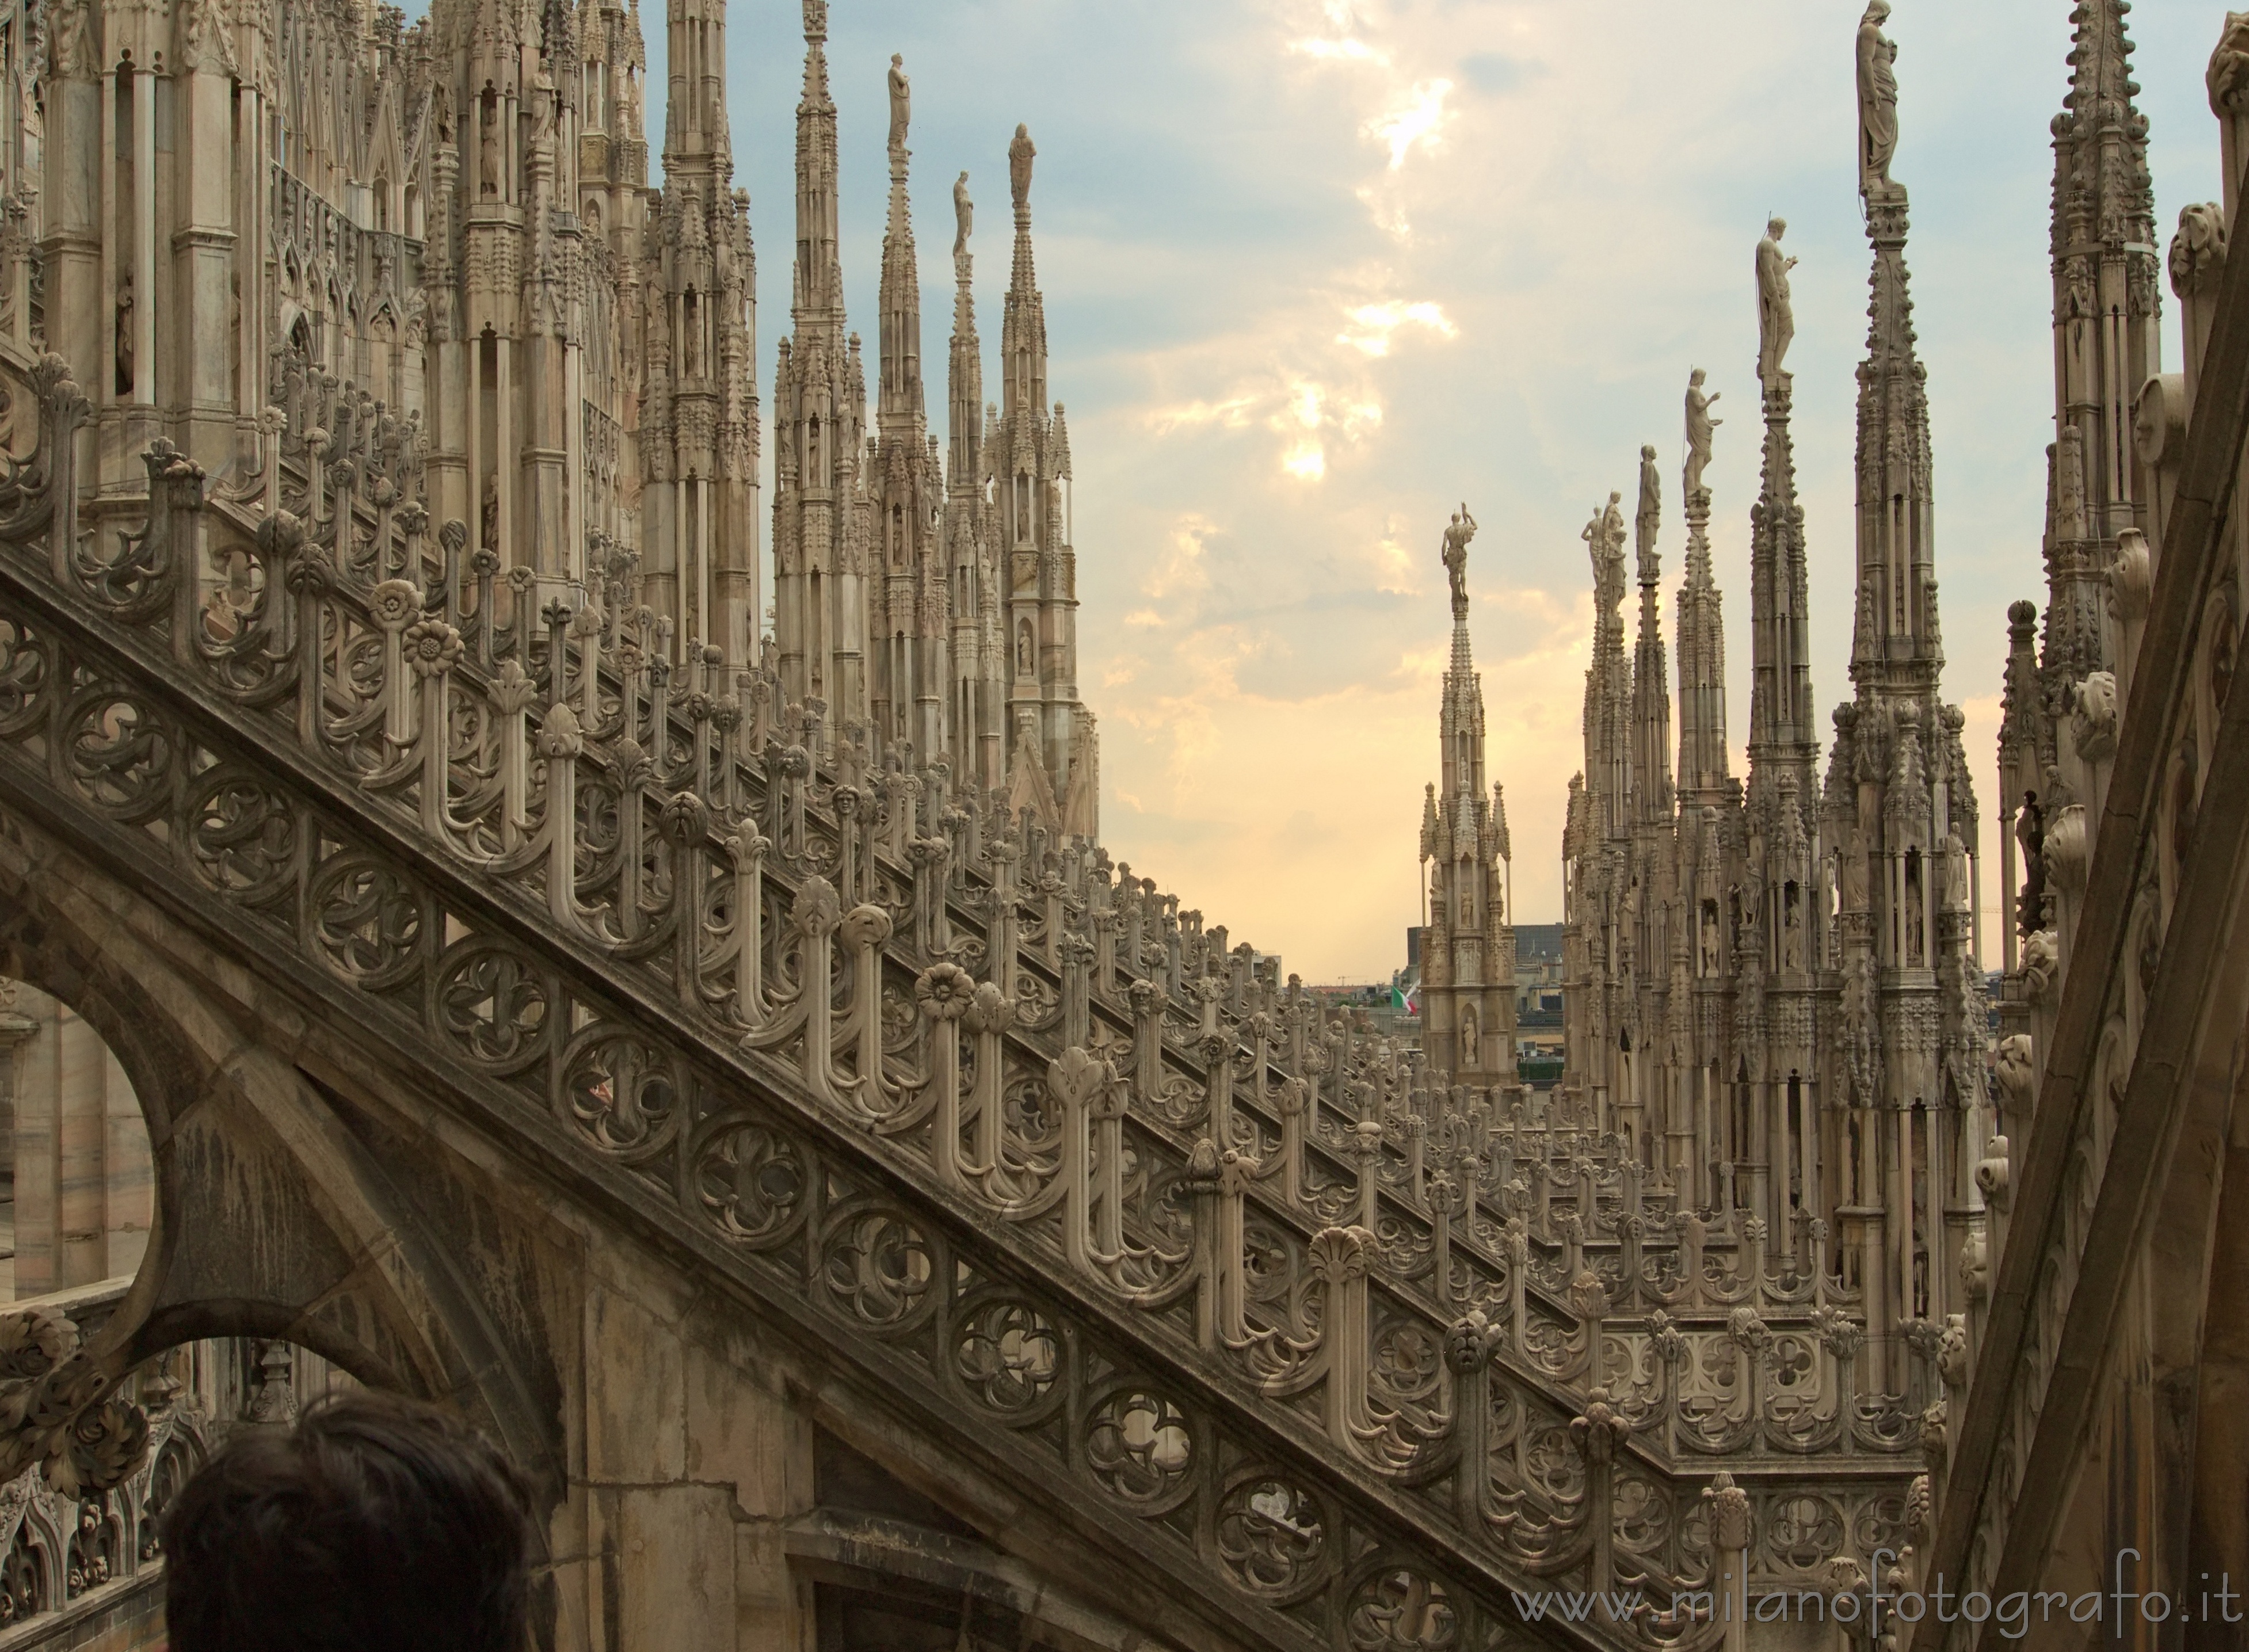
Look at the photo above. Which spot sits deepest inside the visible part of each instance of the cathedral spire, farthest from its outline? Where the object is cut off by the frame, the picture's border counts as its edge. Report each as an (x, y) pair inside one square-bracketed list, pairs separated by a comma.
[(900, 407), (1608, 679), (819, 285), (1895, 647), (1023, 331), (1468, 999), (1781, 716), (1651, 690), (2107, 334), (1701, 636), (965, 365)]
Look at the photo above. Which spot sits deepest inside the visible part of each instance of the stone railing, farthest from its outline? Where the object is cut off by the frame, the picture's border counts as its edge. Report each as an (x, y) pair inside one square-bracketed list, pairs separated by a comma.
[(953, 1096)]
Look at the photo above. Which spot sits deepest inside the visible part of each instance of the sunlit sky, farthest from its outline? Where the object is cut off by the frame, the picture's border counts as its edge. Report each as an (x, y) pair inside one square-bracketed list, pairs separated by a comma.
[(1318, 271)]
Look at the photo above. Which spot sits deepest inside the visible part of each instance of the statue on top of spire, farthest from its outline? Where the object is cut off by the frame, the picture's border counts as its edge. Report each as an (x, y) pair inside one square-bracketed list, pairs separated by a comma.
[(815, 19), (1701, 430), (1647, 524), (1776, 313), (963, 217), (901, 102), (1020, 153), (1456, 556), (1878, 129)]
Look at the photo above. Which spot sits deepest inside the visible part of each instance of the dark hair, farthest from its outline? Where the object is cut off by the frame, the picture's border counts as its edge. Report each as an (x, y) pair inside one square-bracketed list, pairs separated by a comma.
[(376, 1525)]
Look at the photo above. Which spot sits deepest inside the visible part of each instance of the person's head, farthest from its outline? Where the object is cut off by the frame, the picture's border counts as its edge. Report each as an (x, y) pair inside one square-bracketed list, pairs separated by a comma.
[(376, 1525), (1696, 377), (1776, 227)]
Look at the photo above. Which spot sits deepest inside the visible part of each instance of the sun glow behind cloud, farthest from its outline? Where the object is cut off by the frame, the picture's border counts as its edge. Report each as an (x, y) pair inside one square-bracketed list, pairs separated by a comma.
[(1317, 270)]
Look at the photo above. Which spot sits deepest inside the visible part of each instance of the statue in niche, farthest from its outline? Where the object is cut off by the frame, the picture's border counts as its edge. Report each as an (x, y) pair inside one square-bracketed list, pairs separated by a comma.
[(1854, 872), (901, 102), (1776, 313), (722, 255), (1878, 129), (125, 342), (1025, 662), (964, 216), (488, 150), (1956, 873), (542, 110), (1701, 430), (1471, 1038), (1455, 557), (234, 337), (1915, 927), (1020, 153), (490, 513)]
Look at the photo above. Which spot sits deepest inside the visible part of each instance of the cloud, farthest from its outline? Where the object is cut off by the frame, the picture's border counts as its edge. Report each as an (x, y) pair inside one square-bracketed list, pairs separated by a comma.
[(1417, 121), (1495, 73), (1301, 303), (1375, 325)]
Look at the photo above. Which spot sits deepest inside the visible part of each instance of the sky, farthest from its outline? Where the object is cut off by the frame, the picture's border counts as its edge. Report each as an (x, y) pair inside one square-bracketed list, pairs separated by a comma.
[(1317, 272)]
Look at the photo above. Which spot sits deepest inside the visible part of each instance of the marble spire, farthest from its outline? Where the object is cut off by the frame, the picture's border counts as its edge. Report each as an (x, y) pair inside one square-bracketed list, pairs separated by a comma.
[(820, 419), (1703, 763), (2107, 334), (1897, 644), (1651, 689), (900, 407), (908, 677)]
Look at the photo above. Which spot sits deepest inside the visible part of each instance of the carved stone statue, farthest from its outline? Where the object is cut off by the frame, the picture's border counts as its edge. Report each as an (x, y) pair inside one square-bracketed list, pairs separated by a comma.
[(1604, 538), (1878, 131), (1613, 528), (2227, 78), (1455, 558), (72, 51), (2198, 257), (1776, 313), (1854, 872), (1701, 428), (542, 111), (1650, 521), (491, 514), (2030, 834), (815, 19), (901, 101), (964, 216), (1956, 873), (488, 150), (1020, 153)]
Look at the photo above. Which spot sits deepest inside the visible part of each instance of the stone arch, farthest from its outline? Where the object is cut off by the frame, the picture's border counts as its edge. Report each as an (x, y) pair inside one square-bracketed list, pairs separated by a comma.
[(276, 1214)]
